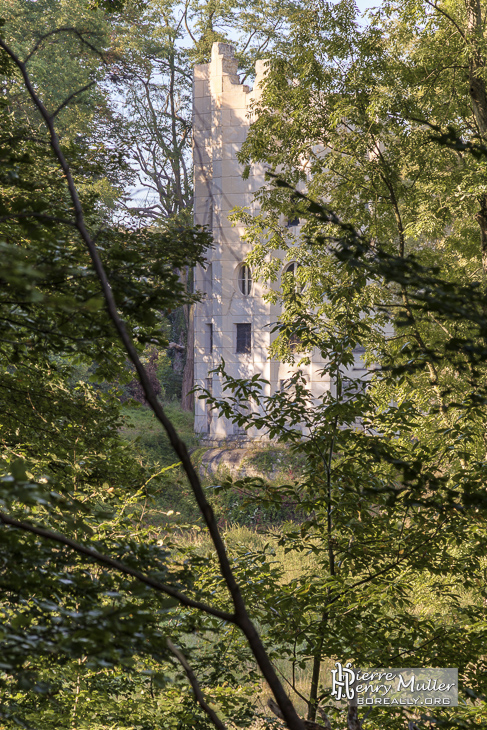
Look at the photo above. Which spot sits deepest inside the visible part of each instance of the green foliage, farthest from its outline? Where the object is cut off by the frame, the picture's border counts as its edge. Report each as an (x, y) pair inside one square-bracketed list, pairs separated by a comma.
[(140, 423), (262, 468)]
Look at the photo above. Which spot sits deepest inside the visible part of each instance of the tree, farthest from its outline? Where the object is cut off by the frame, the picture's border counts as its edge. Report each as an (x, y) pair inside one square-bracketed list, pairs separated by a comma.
[(63, 435), (394, 465)]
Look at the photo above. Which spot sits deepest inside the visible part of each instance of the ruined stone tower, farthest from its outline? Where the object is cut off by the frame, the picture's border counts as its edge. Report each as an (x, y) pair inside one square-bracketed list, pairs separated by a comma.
[(233, 321)]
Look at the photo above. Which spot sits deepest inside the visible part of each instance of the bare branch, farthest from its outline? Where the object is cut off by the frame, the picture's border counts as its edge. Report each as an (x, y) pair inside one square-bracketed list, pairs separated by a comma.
[(116, 565), (248, 41), (163, 62), (196, 688), (448, 17), (187, 25), (65, 29), (71, 96)]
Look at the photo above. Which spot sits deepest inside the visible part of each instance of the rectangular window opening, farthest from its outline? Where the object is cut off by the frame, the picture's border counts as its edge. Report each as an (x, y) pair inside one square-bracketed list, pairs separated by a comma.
[(295, 344), (209, 412), (243, 408), (209, 338), (209, 278), (244, 338), (358, 353)]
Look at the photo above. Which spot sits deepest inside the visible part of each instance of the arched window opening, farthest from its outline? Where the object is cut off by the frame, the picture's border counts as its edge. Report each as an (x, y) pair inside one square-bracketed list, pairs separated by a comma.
[(291, 268), (245, 279)]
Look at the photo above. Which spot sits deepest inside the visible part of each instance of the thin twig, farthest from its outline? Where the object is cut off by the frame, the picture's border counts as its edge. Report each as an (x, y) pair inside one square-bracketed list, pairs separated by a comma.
[(196, 688), (446, 15), (71, 96), (64, 29)]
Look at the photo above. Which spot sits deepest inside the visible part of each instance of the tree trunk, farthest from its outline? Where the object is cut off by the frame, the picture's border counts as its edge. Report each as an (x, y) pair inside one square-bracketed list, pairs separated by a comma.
[(481, 219), (187, 398), (477, 90), (315, 675), (478, 99)]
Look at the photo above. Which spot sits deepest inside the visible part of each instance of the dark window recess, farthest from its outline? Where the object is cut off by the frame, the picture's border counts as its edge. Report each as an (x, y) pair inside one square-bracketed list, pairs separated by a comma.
[(295, 343), (244, 338), (291, 222), (209, 279), (209, 338), (352, 388), (209, 413), (358, 353), (292, 268)]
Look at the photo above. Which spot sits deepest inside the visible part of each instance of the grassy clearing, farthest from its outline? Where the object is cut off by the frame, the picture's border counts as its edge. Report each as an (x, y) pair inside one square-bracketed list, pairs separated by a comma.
[(145, 432), (248, 526), (236, 536), (170, 491)]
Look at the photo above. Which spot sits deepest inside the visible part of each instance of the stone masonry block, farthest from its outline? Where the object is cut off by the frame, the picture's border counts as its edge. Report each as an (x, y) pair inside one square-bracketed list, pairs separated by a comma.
[(229, 150), (230, 200), (238, 186), (203, 188), (201, 121), (216, 186), (200, 89), (216, 85), (200, 72), (232, 168), (201, 154), (234, 117), (220, 48), (234, 135), (229, 66), (202, 172), (233, 237), (230, 82), (202, 104)]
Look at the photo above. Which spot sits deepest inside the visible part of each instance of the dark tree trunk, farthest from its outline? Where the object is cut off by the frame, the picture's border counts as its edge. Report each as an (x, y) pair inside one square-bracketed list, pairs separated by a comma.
[(478, 99), (187, 398)]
